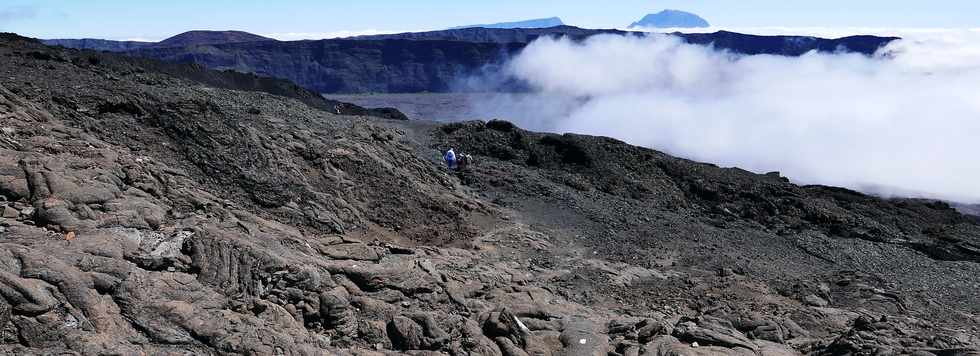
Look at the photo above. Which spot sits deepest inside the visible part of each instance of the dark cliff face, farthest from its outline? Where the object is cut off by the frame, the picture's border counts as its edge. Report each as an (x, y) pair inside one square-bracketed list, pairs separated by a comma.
[(349, 66), (97, 44), (785, 45), (235, 80), (437, 61), (227, 79), (189, 38), (493, 35)]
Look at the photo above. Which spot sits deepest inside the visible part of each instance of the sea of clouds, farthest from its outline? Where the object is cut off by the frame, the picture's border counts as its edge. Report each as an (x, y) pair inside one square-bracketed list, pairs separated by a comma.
[(903, 122)]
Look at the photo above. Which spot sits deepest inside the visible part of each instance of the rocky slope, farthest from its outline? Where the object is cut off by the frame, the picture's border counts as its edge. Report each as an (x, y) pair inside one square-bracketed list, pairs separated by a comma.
[(149, 214), (440, 61), (230, 80)]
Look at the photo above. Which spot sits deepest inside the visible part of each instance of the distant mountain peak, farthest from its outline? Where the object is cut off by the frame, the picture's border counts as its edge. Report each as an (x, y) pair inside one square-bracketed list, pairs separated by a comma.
[(533, 23), (206, 37), (671, 19)]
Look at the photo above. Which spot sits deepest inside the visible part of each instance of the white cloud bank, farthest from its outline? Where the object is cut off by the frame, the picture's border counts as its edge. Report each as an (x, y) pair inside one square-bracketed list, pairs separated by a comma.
[(909, 122)]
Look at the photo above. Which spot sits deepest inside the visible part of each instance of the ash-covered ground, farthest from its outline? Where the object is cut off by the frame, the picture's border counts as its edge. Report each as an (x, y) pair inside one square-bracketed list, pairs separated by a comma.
[(148, 214)]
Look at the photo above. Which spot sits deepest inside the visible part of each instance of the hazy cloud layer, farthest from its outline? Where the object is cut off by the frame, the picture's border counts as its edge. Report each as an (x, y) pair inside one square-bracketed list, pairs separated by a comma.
[(906, 125)]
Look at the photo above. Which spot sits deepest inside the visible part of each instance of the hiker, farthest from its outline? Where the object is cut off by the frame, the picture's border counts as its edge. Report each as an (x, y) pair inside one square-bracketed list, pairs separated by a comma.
[(450, 158), (463, 161)]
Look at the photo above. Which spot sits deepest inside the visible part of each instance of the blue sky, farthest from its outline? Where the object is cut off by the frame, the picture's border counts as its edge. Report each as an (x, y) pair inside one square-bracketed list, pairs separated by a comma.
[(121, 19)]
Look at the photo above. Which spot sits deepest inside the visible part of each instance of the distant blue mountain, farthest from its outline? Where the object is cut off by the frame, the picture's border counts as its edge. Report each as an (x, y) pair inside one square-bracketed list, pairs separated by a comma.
[(536, 23), (671, 19)]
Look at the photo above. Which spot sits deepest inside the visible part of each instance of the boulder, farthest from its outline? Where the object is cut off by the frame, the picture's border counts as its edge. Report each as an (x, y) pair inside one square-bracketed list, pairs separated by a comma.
[(14, 188), (405, 333), (54, 211), (475, 342), (708, 330), (10, 213), (815, 301), (508, 347), (648, 329), (433, 335), (581, 337)]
